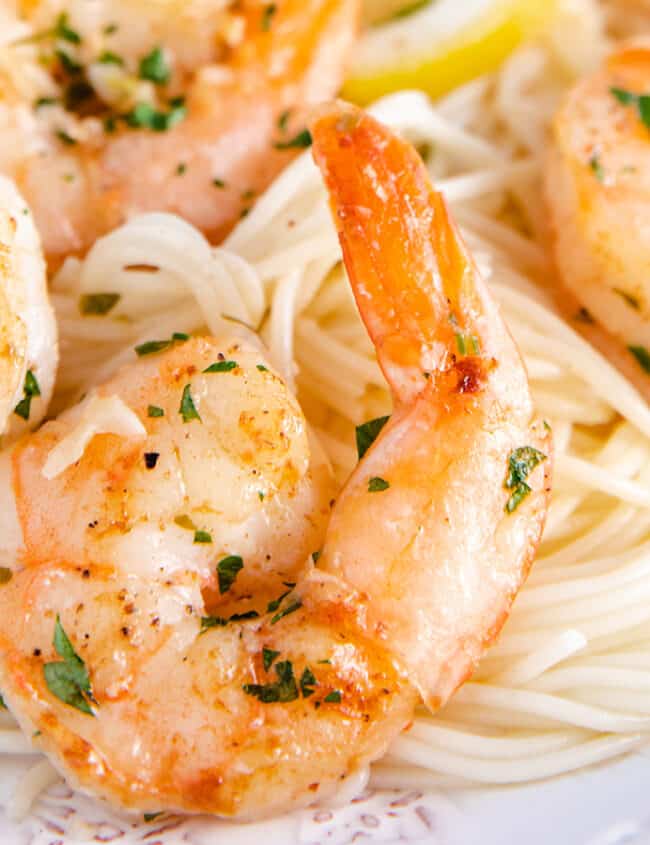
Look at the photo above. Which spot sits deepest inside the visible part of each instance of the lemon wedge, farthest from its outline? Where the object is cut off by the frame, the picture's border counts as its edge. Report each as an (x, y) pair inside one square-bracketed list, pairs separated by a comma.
[(441, 45)]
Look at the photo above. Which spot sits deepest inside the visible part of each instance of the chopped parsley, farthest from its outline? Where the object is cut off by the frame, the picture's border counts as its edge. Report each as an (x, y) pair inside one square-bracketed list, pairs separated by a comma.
[(68, 63), (267, 16), (218, 183), (145, 116), (187, 407), (290, 608), (153, 346), (275, 604), (520, 464), (221, 367), (63, 136), (308, 683), (181, 167), (63, 31), (333, 697), (154, 67), (150, 817), (45, 101), (98, 303), (596, 167), (283, 120), (642, 356), (68, 679), (467, 344), (151, 459), (641, 102), (377, 485), (262, 368), (5, 575), (208, 622), (31, 388), (283, 690), (155, 411), (202, 537), (227, 570), (629, 298), (315, 556), (3, 706), (368, 433), (268, 657), (109, 58), (110, 29), (300, 141)]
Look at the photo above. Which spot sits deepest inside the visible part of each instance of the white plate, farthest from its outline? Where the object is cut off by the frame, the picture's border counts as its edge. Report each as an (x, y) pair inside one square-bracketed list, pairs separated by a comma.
[(607, 805)]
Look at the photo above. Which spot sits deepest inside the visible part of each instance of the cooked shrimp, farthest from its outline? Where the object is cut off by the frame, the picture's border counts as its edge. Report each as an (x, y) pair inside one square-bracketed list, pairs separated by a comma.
[(598, 194), (172, 701), (28, 339), (115, 107)]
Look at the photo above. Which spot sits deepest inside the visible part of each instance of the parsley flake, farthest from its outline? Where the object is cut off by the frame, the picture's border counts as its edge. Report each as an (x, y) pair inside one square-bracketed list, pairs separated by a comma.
[(377, 485), (63, 136), (187, 407), (98, 303), (520, 464), (596, 167), (467, 344), (629, 298), (3, 706), (145, 116), (308, 682), (368, 433), (333, 697), (262, 368), (642, 356), (155, 411), (149, 817), (283, 690), (31, 388), (295, 605), (68, 679), (109, 58), (268, 657), (227, 570), (218, 183), (641, 102), (63, 31), (267, 16), (202, 537), (154, 67), (300, 141), (221, 367)]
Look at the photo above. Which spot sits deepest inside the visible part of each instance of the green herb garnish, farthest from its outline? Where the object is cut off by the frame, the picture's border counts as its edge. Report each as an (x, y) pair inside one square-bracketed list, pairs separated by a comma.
[(149, 817), (520, 464), (63, 136), (597, 168), (368, 433), (300, 141), (262, 368), (267, 16), (109, 58), (154, 67), (227, 570), (268, 657), (642, 356), (639, 101), (202, 537), (467, 344), (98, 303), (31, 388), (308, 682), (283, 690), (221, 367), (377, 485), (155, 411), (187, 407), (145, 116), (333, 697), (62, 30), (283, 120), (295, 605), (68, 679), (218, 183)]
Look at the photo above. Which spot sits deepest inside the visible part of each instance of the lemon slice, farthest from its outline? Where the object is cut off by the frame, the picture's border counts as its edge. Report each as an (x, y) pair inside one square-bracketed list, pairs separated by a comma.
[(441, 45)]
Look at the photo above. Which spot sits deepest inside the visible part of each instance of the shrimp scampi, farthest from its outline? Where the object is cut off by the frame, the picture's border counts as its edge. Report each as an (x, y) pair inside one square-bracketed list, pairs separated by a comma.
[(598, 195), (112, 108), (176, 641)]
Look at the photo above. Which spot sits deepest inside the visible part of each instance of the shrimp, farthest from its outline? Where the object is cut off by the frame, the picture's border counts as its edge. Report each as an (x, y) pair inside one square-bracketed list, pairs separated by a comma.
[(28, 337), (127, 648), (113, 108), (598, 195)]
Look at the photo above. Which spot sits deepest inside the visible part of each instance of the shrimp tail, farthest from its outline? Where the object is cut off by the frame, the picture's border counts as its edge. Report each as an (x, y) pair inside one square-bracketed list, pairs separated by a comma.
[(456, 547)]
